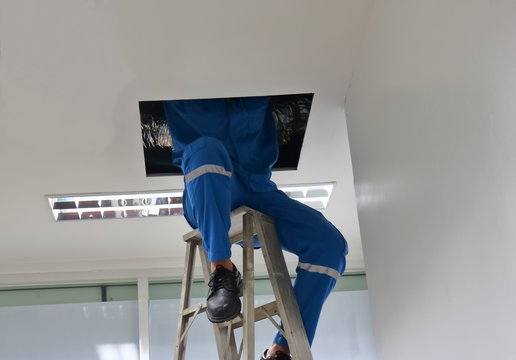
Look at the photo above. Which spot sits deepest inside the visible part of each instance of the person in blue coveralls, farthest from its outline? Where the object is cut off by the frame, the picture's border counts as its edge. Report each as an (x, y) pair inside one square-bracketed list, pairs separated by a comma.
[(226, 149)]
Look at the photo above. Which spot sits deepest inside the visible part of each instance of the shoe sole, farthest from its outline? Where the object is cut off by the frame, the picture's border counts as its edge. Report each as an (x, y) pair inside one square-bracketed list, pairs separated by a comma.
[(216, 320)]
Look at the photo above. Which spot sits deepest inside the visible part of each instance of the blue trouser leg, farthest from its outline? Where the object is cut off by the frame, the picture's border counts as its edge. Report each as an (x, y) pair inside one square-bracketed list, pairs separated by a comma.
[(306, 285), (319, 245), (207, 195)]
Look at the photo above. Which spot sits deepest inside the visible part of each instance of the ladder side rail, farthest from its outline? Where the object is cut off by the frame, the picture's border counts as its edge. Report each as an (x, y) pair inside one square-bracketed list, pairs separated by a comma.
[(282, 287), (248, 308), (184, 303)]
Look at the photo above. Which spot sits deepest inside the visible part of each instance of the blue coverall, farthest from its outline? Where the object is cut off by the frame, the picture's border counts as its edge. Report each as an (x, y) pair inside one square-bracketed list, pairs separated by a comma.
[(226, 149)]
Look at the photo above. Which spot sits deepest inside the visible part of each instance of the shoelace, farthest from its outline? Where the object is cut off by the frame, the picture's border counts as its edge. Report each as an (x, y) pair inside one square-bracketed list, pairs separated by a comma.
[(221, 279)]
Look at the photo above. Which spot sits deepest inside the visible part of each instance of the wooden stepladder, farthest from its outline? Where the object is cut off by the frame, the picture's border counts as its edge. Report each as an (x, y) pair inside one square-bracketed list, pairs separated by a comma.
[(245, 224)]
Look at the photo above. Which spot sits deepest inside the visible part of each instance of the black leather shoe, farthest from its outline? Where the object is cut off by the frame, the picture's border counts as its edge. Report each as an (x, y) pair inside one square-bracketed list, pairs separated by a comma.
[(279, 356), (223, 302)]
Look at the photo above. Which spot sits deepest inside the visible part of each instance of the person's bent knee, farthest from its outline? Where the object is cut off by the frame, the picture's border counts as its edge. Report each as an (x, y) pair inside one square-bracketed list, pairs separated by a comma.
[(330, 252), (338, 252), (206, 151), (204, 147)]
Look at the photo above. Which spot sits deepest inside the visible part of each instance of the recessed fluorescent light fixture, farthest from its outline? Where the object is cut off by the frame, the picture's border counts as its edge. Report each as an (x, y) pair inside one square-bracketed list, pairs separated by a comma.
[(158, 203)]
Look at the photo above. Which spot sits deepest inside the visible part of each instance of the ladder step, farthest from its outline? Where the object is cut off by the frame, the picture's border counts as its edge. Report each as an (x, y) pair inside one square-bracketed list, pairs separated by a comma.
[(193, 309), (236, 231), (260, 313)]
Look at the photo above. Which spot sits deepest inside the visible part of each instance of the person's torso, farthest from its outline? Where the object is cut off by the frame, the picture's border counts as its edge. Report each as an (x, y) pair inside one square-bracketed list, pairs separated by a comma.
[(244, 125)]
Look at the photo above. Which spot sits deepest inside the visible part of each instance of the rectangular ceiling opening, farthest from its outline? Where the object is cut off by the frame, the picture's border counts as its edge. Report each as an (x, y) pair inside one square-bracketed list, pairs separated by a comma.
[(290, 113)]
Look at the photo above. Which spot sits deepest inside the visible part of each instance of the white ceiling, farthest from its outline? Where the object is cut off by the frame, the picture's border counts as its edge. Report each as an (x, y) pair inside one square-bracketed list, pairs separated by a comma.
[(71, 75)]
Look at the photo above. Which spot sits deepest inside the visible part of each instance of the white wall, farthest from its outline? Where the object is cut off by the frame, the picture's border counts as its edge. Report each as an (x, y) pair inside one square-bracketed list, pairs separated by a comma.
[(432, 127)]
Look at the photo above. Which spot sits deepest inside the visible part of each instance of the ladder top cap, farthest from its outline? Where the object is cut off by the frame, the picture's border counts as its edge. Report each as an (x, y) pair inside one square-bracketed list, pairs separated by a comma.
[(236, 224)]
